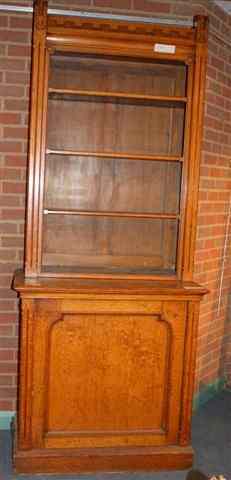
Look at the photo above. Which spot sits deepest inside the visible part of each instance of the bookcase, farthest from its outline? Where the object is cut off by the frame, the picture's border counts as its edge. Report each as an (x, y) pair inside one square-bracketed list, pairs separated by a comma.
[(109, 309)]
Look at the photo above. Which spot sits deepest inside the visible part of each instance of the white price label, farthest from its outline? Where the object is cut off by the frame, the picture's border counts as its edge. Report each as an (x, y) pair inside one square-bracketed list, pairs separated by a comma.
[(163, 48)]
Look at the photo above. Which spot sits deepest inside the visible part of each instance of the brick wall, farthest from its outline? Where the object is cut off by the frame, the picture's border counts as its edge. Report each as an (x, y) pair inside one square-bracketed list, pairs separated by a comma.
[(213, 240), (15, 51), (212, 268)]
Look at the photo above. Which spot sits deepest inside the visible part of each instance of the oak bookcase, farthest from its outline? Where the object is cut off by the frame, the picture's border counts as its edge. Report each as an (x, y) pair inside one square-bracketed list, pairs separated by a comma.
[(109, 309)]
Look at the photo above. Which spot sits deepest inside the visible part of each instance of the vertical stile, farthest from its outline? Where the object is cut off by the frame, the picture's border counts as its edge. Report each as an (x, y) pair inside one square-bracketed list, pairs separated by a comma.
[(43, 161), (185, 168), (36, 135), (195, 135)]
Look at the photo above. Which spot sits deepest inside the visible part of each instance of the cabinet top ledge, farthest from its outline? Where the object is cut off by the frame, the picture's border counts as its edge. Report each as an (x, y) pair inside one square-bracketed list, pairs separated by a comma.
[(105, 286)]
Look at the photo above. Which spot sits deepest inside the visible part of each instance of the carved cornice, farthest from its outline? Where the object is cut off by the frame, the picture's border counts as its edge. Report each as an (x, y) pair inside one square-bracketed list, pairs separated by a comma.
[(118, 27)]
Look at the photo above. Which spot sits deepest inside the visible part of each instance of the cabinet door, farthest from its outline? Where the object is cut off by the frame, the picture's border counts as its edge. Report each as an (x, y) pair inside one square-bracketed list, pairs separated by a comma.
[(106, 372)]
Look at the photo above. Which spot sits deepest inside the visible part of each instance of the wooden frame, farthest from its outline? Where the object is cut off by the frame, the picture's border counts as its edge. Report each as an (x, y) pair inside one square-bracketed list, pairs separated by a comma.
[(49, 305), (107, 360), (77, 35)]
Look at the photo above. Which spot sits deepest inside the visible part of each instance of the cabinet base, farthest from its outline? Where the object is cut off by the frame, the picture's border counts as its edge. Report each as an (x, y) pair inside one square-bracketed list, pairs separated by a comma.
[(103, 460)]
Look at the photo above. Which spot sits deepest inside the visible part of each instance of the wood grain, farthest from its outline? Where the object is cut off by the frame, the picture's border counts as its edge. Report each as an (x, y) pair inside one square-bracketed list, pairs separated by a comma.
[(90, 349), (111, 75), (107, 354)]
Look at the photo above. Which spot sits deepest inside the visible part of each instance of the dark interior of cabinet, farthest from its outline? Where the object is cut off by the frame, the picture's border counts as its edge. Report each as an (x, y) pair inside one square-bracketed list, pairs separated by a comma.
[(115, 146), (117, 74)]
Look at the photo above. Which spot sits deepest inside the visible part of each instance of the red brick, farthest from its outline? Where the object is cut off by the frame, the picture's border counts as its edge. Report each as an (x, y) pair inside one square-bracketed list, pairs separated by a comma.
[(211, 72), (21, 229), (14, 36), (10, 118), (221, 77), (219, 12), (112, 3), (186, 8), (3, 49), (7, 293), (13, 187), (8, 317), (217, 63), (71, 4), (3, 20), (17, 133), (215, 99), (16, 105), (6, 280), (10, 173), (213, 123), (152, 6), (16, 78), (13, 64), (21, 22), (12, 242), (6, 356), (9, 200), (7, 255), (11, 91), (80, 2), (8, 342), (227, 128), (16, 160), (8, 367), (19, 51), (215, 87), (8, 392), (6, 380), (8, 228), (7, 305), (14, 214), (6, 331), (6, 405)]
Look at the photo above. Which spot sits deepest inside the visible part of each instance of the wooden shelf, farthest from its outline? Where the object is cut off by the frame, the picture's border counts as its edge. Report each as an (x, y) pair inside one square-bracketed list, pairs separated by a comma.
[(104, 272), (87, 213), (125, 155), (67, 94)]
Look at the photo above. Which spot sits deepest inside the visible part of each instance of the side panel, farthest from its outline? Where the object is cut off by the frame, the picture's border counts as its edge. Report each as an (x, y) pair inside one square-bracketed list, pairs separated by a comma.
[(106, 373)]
